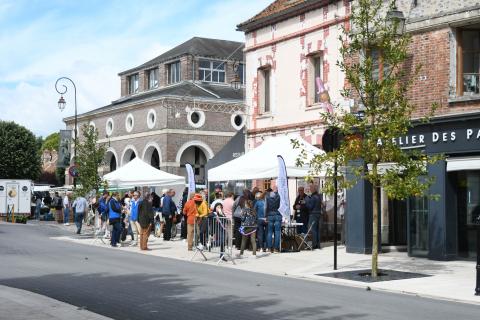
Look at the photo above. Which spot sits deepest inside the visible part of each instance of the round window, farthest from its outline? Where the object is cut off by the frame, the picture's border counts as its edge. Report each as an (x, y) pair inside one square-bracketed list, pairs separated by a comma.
[(237, 120), (92, 124), (109, 127), (196, 119), (151, 118), (129, 122)]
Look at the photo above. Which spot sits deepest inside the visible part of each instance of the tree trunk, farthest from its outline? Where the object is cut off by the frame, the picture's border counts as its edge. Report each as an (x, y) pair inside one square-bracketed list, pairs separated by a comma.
[(375, 227)]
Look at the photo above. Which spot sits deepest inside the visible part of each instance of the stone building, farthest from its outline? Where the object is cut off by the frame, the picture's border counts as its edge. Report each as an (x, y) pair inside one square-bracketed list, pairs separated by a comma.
[(177, 108)]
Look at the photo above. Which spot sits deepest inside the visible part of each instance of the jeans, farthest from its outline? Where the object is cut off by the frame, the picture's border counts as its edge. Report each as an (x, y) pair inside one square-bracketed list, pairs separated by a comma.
[(79, 221), (37, 212), (116, 232), (274, 229), (314, 219), (66, 215), (261, 233)]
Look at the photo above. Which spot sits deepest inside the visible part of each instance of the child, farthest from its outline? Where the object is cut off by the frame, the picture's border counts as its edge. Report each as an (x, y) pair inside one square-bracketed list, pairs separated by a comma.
[(248, 227)]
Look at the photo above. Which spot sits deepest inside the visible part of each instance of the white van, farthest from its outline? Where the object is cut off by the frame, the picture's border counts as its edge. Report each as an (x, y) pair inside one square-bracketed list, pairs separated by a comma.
[(15, 195)]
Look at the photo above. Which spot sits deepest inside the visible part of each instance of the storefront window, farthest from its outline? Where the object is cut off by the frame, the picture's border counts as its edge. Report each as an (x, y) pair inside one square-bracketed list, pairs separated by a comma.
[(468, 200), (418, 234)]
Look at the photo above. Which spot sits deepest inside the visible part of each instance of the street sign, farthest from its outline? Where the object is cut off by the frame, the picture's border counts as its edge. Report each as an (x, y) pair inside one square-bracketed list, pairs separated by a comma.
[(73, 171)]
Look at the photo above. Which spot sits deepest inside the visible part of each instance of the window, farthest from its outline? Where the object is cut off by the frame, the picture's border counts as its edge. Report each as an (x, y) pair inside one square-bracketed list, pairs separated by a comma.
[(315, 74), (196, 119), (211, 71), (468, 68), (264, 89), (237, 120), (379, 67), (133, 84), (109, 127), (153, 78), (173, 70), (151, 118), (129, 122), (241, 72)]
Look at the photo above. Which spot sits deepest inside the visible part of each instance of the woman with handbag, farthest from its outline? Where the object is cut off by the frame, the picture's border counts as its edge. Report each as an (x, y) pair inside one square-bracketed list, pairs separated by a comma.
[(248, 228)]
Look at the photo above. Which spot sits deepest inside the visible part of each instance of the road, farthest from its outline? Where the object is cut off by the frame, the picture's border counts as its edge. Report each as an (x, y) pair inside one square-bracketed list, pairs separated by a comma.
[(126, 285)]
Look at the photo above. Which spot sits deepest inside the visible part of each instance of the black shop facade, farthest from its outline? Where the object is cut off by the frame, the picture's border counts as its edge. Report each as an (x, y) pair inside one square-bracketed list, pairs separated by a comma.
[(438, 229)]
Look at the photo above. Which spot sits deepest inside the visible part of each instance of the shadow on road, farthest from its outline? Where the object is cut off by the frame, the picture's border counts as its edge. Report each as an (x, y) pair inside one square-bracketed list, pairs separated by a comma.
[(149, 296)]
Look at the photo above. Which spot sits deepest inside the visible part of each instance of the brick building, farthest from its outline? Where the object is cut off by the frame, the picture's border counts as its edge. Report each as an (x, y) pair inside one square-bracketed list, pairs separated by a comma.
[(446, 42), (176, 108)]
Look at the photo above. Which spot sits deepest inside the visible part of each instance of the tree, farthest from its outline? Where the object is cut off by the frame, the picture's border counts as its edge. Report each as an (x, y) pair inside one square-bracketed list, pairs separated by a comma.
[(51, 142), (18, 152), (370, 136), (90, 157)]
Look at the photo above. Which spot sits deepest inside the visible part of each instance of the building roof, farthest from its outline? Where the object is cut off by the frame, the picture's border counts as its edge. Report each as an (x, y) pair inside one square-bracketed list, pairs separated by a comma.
[(204, 47), (184, 89), (279, 10)]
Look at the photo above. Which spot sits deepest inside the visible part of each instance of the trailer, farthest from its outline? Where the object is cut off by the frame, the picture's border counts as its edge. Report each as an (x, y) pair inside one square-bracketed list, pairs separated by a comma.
[(16, 196)]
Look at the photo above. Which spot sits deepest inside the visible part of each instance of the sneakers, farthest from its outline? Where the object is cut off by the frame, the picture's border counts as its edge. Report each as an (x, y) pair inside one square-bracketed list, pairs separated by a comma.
[(239, 256), (200, 246), (66, 224), (276, 251)]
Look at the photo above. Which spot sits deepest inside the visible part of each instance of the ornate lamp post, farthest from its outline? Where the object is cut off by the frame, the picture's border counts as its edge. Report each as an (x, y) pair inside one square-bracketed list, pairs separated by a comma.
[(236, 84), (396, 20), (61, 105)]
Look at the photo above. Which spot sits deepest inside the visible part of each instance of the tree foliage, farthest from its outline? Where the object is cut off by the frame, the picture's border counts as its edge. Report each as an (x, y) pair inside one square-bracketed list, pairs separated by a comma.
[(51, 142), (387, 113), (19, 157), (90, 157)]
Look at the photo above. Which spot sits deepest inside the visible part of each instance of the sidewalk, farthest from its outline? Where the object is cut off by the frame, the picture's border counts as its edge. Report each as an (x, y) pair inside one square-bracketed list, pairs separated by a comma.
[(449, 280), (17, 304)]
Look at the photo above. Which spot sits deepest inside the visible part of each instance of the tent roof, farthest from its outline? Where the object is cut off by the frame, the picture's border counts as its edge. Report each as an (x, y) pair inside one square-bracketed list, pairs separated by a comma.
[(137, 173), (261, 162)]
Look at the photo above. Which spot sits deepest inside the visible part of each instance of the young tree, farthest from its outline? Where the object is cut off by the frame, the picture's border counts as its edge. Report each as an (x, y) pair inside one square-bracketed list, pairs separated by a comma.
[(90, 157), (19, 154), (386, 116)]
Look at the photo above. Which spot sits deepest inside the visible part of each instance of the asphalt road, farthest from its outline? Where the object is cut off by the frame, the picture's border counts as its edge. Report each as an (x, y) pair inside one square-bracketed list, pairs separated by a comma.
[(124, 285)]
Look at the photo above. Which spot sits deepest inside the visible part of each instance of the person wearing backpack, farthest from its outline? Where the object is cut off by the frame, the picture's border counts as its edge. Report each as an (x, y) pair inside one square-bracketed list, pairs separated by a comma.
[(115, 217)]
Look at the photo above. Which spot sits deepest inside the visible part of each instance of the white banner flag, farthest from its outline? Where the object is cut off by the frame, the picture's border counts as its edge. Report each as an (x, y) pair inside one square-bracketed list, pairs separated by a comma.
[(282, 185), (191, 178)]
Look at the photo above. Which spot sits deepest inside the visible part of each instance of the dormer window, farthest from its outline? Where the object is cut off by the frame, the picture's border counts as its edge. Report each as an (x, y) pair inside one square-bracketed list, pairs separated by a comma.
[(173, 70), (211, 71), (152, 78), (133, 84)]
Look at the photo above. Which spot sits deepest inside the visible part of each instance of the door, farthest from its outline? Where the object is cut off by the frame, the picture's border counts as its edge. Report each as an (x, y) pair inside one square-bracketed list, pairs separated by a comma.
[(468, 207), (418, 226)]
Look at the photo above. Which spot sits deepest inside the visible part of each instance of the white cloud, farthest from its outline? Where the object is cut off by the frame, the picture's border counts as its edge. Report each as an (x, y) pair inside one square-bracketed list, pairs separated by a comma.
[(91, 50)]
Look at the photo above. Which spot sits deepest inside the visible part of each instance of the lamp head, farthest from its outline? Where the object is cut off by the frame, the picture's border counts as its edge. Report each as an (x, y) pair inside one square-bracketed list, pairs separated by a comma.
[(61, 103)]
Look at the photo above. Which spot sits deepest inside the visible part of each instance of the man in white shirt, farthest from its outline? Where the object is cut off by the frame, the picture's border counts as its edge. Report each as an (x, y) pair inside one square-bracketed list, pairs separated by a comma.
[(66, 209), (80, 206)]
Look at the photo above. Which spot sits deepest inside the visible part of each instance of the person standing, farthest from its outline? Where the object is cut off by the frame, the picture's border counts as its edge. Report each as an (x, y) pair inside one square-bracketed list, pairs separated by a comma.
[(190, 211), (248, 228), (301, 211), (134, 217), (168, 210), (202, 220), (145, 220), (259, 208), (183, 232), (228, 205), (274, 220), (66, 209), (58, 205), (314, 206), (80, 206), (103, 210), (38, 207), (115, 217), (238, 206)]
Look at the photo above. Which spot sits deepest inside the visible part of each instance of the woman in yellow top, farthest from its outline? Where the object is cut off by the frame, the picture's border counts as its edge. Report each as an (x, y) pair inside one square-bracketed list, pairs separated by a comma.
[(202, 216)]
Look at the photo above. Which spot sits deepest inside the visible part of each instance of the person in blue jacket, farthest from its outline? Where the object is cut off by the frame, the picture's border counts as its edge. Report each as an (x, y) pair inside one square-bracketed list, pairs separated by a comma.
[(168, 211), (115, 217), (134, 216), (274, 219), (259, 208), (315, 208)]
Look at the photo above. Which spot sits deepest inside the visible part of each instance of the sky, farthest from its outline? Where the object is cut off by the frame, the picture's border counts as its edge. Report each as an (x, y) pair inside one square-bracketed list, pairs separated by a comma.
[(91, 41)]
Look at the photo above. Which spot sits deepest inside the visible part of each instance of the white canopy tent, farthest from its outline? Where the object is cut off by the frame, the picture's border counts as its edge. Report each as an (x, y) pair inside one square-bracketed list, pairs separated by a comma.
[(137, 173), (261, 162)]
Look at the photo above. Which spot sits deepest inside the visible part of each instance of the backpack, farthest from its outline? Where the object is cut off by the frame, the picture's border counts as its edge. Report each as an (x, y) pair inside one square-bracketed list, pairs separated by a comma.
[(59, 202)]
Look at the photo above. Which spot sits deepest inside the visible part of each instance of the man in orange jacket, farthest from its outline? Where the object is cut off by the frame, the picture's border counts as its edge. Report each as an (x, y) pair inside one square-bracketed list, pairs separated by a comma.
[(191, 212)]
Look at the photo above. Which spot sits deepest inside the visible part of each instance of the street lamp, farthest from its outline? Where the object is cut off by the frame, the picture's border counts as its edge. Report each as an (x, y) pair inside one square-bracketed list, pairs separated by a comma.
[(235, 84), (396, 20), (61, 105)]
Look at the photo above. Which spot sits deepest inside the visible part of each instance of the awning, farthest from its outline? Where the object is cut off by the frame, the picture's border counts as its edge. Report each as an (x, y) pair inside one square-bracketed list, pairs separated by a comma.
[(460, 164)]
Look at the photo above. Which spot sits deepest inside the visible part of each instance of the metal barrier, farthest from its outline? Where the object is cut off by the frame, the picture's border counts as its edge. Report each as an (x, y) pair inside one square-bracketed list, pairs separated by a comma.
[(213, 234)]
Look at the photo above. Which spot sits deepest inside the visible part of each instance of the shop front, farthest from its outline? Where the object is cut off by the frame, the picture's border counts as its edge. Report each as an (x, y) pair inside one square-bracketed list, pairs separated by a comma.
[(439, 229)]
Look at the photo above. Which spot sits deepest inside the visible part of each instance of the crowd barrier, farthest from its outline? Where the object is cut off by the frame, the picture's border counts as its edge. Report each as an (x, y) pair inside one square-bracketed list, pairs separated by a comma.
[(213, 234)]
